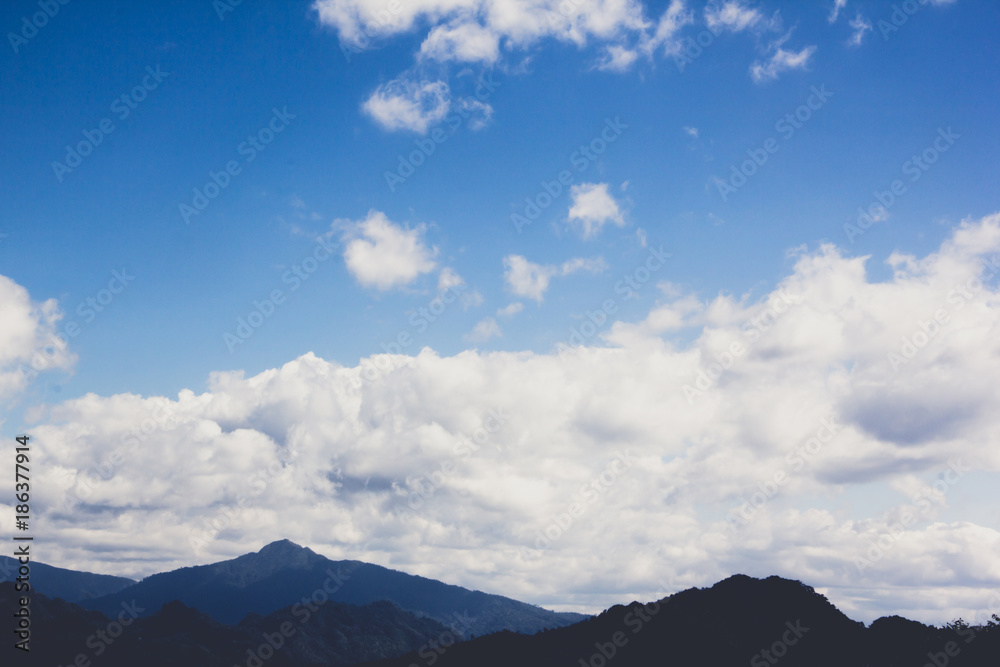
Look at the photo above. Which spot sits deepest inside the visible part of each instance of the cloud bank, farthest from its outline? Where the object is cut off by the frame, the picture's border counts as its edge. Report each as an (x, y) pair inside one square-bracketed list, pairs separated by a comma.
[(582, 477)]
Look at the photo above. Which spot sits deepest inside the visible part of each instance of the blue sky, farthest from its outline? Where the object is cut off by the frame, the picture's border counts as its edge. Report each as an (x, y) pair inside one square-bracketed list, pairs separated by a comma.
[(528, 86)]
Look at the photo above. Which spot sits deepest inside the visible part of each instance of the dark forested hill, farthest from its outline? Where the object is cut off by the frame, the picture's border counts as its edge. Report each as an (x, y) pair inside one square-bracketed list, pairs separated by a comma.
[(327, 634), (283, 573), (69, 585), (286, 605), (739, 621)]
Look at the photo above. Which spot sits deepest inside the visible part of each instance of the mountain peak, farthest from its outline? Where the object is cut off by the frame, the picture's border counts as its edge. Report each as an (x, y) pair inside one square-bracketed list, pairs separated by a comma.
[(280, 548)]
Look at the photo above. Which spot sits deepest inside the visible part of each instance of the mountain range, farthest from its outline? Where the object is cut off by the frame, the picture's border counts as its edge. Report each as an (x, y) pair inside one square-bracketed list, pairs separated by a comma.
[(283, 574), (287, 605), (68, 585), (331, 635), (738, 621)]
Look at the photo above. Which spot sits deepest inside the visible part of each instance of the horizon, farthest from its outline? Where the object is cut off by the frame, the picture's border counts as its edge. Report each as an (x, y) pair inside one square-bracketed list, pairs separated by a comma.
[(559, 300), (557, 608), (831, 596)]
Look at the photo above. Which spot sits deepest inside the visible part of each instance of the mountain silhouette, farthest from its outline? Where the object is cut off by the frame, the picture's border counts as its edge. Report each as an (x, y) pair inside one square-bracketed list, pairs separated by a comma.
[(333, 635), (738, 621), (70, 585), (283, 573), (287, 606)]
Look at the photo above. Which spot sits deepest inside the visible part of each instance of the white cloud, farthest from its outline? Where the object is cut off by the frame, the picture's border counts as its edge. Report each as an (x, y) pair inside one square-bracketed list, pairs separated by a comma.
[(835, 12), (733, 16), (332, 461), (382, 254), (617, 58), (471, 299), (691, 131), (471, 30), (30, 338), (531, 280), (590, 265), (479, 113), (526, 278), (464, 41), (481, 31), (592, 207), (860, 25), (405, 104), (665, 37), (484, 330), (511, 310), (449, 278), (780, 61)]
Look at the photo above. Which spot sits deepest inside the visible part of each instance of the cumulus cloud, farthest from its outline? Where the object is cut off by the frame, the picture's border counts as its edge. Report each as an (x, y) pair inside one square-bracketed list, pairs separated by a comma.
[(384, 255), (323, 457), (406, 104), (592, 207), (480, 31), (30, 338), (464, 41), (470, 30), (780, 60), (485, 329), (732, 16), (617, 58), (511, 310), (526, 278), (449, 279), (531, 280)]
